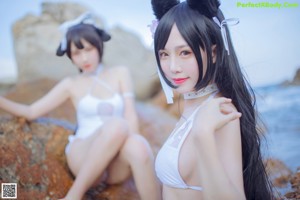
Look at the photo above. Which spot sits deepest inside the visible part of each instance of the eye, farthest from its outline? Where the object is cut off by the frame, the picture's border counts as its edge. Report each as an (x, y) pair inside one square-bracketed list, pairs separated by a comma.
[(75, 53), (89, 48), (162, 54), (185, 53)]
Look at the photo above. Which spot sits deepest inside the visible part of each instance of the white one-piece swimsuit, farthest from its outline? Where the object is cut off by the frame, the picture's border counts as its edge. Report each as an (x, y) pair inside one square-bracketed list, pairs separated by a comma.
[(91, 111)]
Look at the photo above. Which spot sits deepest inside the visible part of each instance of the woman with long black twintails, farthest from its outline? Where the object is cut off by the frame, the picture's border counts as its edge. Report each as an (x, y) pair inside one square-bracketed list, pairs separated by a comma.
[(214, 151)]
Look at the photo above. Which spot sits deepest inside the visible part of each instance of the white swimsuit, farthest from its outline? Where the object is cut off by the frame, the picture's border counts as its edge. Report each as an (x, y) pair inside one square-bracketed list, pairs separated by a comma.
[(167, 160), (91, 111)]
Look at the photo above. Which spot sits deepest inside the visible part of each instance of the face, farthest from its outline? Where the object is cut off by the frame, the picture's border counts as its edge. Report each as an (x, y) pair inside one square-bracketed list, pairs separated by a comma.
[(179, 63), (87, 58)]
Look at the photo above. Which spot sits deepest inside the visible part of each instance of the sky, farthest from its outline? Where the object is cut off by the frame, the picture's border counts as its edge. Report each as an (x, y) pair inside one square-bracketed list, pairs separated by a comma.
[(267, 39)]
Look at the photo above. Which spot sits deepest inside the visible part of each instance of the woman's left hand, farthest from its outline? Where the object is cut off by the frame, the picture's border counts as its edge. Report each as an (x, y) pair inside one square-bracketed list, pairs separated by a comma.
[(216, 113)]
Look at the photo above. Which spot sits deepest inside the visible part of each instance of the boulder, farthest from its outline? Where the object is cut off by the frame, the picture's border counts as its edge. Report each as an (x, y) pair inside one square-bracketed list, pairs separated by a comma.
[(36, 39), (278, 172), (32, 156), (32, 153), (295, 184), (296, 79)]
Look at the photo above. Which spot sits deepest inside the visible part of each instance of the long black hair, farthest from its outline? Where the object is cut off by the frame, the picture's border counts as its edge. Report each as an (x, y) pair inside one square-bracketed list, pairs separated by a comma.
[(194, 22), (95, 36)]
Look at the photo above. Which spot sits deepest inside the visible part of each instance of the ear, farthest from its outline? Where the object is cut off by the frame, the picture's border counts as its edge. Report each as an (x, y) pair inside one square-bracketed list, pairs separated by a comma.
[(59, 52), (214, 53), (104, 36), (161, 7), (209, 8)]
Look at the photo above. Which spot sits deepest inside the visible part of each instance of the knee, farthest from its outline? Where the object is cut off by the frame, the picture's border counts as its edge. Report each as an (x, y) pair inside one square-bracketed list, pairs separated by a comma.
[(139, 149), (117, 128)]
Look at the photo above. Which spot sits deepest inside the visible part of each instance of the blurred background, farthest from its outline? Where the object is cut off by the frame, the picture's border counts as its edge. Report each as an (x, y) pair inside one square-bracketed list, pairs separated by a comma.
[(266, 41)]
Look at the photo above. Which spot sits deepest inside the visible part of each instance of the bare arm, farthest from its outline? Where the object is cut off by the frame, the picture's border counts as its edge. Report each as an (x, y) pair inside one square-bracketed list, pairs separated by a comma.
[(51, 100), (129, 101), (220, 159)]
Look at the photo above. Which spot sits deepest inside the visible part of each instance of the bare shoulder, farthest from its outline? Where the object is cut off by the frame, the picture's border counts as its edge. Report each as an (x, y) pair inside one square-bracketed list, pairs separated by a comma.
[(69, 83), (229, 134), (119, 70), (211, 114), (66, 82), (121, 73)]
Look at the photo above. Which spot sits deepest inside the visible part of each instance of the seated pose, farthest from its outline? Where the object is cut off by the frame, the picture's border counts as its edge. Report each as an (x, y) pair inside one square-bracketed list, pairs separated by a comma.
[(213, 152), (106, 146)]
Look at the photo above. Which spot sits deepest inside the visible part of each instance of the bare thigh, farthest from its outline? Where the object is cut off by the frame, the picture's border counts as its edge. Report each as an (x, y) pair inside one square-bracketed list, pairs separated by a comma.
[(77, 153), (80, 148), (134, 152), (118, 170)]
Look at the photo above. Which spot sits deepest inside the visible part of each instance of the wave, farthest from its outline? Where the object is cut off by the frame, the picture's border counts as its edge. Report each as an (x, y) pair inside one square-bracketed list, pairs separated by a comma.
[(277, 98)]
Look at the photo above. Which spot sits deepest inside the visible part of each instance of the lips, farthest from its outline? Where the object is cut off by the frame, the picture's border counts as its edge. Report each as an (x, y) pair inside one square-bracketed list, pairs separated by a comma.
[(179, 81), (87, 66)]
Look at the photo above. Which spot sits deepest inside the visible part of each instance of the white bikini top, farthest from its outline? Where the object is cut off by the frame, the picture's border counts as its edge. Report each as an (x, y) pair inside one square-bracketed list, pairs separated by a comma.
[(167, 160)]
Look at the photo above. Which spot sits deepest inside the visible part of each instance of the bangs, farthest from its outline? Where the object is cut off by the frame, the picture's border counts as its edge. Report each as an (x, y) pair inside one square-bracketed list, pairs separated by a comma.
[(76, 39), (84, 32), (194, 33)]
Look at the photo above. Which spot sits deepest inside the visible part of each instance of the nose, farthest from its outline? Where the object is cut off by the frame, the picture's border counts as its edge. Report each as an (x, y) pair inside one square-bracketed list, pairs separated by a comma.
[(174, 65), (84, 56)]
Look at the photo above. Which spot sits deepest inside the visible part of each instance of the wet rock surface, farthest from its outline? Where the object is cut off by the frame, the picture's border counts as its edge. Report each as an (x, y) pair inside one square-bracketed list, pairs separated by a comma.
[(32, 153)]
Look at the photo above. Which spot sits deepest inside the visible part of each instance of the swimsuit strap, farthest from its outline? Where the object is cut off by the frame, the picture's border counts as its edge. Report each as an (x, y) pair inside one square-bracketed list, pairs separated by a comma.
[(206, 100), (98, 81), (191, 117), (128, 94), (195, 187)]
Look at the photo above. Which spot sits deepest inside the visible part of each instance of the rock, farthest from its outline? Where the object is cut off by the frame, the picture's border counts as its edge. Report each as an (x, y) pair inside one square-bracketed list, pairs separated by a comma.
[(278, 172), (286, 183), (174, 109), (125, 48), (29, 159), (295, 183), (36, 39), (155, 124), (296, 79), (32, 153), (32, 90)]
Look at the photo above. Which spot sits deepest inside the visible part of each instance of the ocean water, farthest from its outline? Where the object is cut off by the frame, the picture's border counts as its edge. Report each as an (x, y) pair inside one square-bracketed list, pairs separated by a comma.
[(279, 108)]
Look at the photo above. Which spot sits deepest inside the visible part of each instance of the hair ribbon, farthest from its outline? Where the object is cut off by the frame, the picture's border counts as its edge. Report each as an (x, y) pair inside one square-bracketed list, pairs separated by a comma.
[(231, 22), (85, 18), (166, 88), (153, 26)]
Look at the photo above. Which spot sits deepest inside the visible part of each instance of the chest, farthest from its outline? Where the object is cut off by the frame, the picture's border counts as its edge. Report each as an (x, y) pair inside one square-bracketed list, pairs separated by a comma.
[(93, 106), (95, 89), (187, 160)]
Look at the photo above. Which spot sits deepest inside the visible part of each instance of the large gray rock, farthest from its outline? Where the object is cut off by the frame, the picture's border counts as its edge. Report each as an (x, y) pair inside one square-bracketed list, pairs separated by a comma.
[(125, 48), (296, 80), (36, 39)]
